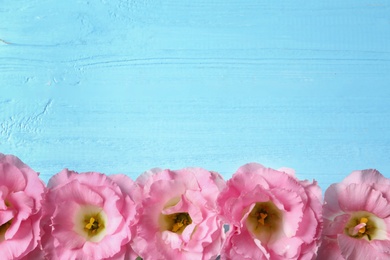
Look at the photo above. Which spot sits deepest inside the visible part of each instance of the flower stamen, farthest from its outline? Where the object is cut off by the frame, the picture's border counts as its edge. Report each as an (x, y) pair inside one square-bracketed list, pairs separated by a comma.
[(360, 228), (365, 225), (176, 222), (261, 217), (91, 222), (264, 220), (364, 221), (93, 225), (180, 220)]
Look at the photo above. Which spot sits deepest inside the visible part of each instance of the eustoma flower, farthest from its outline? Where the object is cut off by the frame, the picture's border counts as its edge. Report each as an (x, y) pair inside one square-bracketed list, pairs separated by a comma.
[(89, 216), (21, 192), (179, 218), (272, 215), (357, 218)]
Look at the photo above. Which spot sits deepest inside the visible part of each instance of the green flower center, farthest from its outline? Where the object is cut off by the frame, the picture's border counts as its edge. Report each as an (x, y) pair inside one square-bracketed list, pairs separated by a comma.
[(363, 225), (6, 225), (4, 228), (90, 222), (177, 222), (93, 225), (264, 220)]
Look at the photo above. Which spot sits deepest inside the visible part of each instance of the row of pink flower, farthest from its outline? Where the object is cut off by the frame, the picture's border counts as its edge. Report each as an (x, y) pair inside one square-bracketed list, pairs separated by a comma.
[(260, 213)]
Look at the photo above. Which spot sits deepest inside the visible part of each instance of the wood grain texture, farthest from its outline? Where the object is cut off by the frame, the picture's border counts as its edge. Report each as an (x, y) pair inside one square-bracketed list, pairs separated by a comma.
[(123, 86)]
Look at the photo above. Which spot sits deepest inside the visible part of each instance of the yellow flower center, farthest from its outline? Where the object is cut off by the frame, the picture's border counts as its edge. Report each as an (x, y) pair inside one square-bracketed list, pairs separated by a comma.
[(261, 217), (264, 220), (90, 222), (4, 228), (177, 222), (365, 225), (93, 224), (359, 227), (362, 230), (6, 225)]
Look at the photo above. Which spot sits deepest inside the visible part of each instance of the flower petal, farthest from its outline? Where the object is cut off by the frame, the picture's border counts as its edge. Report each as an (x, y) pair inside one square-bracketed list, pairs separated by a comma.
[(352, 248), (369, 176), (361, 197), (242, 246), (308, 226), (12, 177), (329, 249), (80, 193), (61, 178), (285, 247), (289, 171), (21, 242)]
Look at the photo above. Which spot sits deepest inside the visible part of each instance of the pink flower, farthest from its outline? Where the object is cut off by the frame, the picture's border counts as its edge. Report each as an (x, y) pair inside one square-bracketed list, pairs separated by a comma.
[(179, 218), (21, 193), (272, 215), (89, 216), (357, 218)]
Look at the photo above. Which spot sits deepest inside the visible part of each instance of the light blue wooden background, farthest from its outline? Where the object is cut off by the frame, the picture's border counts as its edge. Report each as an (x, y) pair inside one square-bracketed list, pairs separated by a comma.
[(124, 86)]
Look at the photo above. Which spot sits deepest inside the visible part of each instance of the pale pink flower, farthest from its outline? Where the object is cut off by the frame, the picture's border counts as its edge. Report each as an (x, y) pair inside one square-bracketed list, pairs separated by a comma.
[(21, 193), (180, 218), (357, 218), (272, 215), (89, 216)]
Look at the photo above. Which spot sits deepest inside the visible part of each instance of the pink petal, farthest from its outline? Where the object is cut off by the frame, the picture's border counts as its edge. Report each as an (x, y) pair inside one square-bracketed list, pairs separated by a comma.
[(289, 171), (180, 206), (172, 240), (97, 180), (61, 178), (308, 226), (292, 209), (186, 236), (80, 193), (63, 225), (147, 176), (108, 247), (358, 197), (382, 246), (244, 178), (331, 205), (6, 215), (378, 204), (329, 250), (36, 254), (128, 186), (21, 243), (125, 253), (309, 251), (165, 190), (19, 176), (314, 192), (12, 177), (334, 227), (242, 246), (352, 248), (369, 176), (23, 205), (68, 239), (285, 248)]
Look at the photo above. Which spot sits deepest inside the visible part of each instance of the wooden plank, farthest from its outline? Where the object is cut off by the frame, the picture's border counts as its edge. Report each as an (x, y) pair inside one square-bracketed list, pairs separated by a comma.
[(123, 86)]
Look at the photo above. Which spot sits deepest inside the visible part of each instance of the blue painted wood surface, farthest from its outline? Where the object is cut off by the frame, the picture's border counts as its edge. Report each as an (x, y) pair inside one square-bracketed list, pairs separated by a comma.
[(124, 86)]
